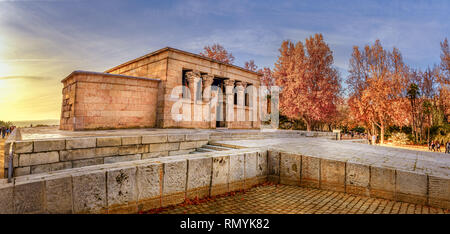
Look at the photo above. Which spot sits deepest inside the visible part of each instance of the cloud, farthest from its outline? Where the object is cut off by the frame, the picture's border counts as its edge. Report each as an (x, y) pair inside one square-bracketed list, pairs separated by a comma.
[(25, 77)]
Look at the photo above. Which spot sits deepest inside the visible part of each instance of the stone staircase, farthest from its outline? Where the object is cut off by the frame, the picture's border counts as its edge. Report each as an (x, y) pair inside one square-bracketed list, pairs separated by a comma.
[(210, 148)]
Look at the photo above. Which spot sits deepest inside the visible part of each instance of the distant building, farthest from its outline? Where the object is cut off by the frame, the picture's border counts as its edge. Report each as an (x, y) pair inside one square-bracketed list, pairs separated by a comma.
[(146, 92)]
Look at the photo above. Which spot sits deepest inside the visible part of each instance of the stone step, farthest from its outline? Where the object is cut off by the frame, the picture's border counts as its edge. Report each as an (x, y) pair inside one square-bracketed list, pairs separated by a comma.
[(205, 150), (216, 147)]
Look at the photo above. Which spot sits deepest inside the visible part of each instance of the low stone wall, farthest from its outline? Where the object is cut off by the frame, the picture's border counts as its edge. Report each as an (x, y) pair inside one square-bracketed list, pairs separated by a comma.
[(40, 156), (129, 187), (46, 155), (358, 179)]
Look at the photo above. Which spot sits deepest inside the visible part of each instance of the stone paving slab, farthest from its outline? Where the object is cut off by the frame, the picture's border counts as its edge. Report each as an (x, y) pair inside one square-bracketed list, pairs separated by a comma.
[(430, 163), (285, 199)]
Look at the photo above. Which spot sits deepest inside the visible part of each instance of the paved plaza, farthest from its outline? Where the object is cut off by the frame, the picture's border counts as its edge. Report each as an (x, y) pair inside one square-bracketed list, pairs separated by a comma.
[(285, 199), (431, 163)]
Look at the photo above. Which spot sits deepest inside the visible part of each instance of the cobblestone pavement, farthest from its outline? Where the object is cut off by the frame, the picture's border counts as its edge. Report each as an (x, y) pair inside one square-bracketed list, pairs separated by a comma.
[(284, 199)]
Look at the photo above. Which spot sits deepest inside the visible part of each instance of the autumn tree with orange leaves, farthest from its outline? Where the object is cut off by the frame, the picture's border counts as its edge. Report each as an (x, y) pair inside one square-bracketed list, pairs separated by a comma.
[(267, 78), (444, 79), (377, 85), (309, 82), (218, 52), (250, 65)]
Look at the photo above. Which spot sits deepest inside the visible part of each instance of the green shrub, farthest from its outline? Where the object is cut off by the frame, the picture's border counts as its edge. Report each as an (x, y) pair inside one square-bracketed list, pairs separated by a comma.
[(400, 138)]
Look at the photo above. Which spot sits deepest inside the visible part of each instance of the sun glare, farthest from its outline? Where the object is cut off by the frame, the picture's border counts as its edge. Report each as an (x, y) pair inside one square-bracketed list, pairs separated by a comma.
[(4, 69)]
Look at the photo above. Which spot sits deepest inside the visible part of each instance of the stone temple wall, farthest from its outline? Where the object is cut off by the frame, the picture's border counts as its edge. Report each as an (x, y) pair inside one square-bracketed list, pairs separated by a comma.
[(103, 101)]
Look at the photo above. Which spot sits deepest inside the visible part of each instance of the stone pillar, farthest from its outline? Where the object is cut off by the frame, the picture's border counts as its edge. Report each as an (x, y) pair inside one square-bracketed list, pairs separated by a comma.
[(207, 81), (240, 89), (193, 77), (255, 100), (229, 97)]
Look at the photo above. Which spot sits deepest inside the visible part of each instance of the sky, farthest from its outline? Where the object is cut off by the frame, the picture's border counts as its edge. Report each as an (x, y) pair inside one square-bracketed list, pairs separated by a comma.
[(41, 42)]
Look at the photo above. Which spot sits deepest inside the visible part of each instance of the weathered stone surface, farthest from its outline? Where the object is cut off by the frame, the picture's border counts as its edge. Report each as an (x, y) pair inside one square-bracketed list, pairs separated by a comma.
[(106, 151), (108, 141), (89, 192), (174, 182), (155, 154), (261, 168), (197, 137), (290, 168), (49, 145), (121, 187), (439, 192), (273, 158), (29, 197), (188, 145), (332, 175), (201, 143), (50, 167), (20, 171), (174, 176), (357, 179), (133, 149), (58, 194), (382, 182), (21, 147), (310, 174), (164, 147), (250, 165), (220, 170), (6, 195), (115, 159), (180, 152), (237, 168), (154, 139), (38, 158), (411, 187), (199, 172), (149, 185), (220, 173), (87, 162), (81, 143), (176, 137), (131, 140), (77, 154)]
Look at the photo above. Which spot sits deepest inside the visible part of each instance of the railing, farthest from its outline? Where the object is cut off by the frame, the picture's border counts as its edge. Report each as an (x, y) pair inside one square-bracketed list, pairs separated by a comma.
[(10, 162)]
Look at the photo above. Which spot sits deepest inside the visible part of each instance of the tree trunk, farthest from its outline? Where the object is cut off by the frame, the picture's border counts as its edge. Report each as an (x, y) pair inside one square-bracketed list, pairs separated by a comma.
[(382, 134), (308, 126)]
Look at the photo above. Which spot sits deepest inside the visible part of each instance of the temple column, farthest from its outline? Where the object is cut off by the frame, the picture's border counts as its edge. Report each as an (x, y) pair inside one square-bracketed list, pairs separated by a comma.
[(240, 89), (207, 81), (193, 78), (229, 97)]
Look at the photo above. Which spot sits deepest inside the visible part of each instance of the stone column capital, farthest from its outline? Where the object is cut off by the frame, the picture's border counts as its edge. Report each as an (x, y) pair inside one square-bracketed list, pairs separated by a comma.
[(241, 84), (228, 82), (207, 79), (191, 75)]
